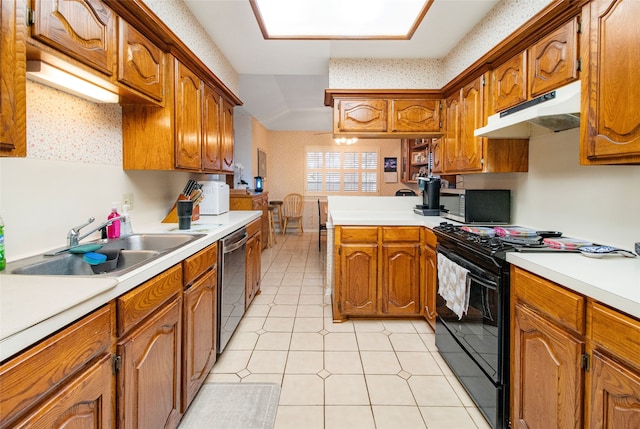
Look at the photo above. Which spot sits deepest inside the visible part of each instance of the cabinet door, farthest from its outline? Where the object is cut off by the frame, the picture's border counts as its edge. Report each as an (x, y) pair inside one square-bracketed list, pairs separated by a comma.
[(188, 117), (361, 115), (431, 276), (415, 116), (226, 146), (211, 138), (254, 267), (510, 83), (401, 278), (199, 334), (436, 156), (471, 117), (615, 395), (149, 378), (357, 292), (86, 402), (13, 106), (140, 62), (611, 127), (82, 29), (552, 60), (546, 372), (452, 132)]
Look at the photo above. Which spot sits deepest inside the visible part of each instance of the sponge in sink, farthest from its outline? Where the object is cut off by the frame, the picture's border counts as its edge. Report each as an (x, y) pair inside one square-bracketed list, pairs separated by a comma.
[(94, 258), (84, 248)]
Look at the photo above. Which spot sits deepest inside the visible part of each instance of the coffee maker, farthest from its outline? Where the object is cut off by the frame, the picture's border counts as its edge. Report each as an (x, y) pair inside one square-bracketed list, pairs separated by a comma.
[(430, 187)]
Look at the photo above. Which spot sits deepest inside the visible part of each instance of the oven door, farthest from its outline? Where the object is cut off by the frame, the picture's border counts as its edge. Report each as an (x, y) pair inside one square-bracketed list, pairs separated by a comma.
[(480, 332)]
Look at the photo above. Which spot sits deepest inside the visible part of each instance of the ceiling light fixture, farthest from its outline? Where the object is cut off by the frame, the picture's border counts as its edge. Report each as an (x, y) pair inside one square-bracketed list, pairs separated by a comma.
[(344, 140), (339, 19), (54, 77)]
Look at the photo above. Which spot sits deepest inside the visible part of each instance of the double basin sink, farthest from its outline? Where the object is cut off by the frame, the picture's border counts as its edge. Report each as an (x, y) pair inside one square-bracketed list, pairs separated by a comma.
[(132, 252)]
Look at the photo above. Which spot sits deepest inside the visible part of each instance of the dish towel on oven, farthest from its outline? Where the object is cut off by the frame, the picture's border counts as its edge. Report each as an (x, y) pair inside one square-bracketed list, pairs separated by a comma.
[(453, 285)]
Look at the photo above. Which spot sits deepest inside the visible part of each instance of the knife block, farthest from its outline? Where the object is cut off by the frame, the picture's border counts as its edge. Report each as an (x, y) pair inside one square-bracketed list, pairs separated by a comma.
[(172, 216)]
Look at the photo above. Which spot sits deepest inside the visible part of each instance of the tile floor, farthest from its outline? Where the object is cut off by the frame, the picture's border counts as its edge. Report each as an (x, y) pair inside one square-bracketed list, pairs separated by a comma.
[(357, 374)]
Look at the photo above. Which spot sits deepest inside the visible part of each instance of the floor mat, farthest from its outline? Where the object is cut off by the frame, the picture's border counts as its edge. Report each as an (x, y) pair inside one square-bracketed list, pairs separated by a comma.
[(233, 406)]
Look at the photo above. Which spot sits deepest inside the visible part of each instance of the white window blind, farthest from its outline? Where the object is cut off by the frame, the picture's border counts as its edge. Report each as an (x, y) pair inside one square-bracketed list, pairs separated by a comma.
[(345, 170)]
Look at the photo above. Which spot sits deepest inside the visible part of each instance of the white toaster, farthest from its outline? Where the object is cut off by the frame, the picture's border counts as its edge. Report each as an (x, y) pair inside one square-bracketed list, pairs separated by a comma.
[(216, 198)]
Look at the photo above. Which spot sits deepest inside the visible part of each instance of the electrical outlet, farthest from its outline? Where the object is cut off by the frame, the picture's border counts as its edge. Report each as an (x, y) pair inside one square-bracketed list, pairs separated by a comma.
[(128, 199)]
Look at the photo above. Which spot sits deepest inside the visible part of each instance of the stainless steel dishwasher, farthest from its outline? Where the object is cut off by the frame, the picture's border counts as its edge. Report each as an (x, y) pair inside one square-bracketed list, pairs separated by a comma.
[(232, 262)]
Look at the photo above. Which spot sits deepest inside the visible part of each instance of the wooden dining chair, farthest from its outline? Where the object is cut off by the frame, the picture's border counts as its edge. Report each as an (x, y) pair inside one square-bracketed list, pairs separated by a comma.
[(292, 208), (322, 219)]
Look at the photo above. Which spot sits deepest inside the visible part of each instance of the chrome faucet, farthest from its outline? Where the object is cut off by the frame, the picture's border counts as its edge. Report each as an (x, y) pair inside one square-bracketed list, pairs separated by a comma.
[(74, 237)]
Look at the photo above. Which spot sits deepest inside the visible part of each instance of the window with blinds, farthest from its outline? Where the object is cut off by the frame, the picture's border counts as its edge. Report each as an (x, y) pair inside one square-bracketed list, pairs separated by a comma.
[(344, 170)]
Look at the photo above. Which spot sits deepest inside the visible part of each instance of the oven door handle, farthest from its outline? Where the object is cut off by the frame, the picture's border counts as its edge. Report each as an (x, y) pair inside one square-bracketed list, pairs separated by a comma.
[(484, 282), (470, 266)]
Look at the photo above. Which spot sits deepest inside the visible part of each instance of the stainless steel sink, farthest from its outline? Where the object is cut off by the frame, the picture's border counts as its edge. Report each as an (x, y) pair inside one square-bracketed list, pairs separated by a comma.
[(134, 251)]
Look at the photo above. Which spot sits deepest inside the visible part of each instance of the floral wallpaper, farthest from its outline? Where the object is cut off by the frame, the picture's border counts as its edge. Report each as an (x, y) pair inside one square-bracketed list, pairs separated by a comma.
[(501, 21), (177, 16), (64, 127), (370, 73)]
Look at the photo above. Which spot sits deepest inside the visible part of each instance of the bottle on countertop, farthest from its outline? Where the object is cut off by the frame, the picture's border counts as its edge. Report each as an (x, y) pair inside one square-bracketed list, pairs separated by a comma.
[(113, 230), (3, 260), (125, 225)]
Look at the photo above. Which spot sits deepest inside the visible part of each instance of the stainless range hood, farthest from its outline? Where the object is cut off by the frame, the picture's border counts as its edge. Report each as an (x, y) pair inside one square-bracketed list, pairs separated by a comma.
[(557, 110)]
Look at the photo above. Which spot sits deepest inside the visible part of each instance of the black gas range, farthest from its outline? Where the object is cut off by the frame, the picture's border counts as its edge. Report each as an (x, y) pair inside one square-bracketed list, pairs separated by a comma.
[(475, 343)]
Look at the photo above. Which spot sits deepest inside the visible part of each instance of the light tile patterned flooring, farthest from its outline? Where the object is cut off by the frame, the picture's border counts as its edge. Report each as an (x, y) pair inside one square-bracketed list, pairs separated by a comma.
[(357, 374)]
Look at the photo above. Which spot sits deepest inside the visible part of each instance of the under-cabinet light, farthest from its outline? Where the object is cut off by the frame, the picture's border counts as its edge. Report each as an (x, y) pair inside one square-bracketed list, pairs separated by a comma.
[(49, 75)]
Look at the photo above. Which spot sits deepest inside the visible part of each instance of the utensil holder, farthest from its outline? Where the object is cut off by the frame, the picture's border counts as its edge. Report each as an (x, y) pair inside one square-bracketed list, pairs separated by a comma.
[(172, 216)]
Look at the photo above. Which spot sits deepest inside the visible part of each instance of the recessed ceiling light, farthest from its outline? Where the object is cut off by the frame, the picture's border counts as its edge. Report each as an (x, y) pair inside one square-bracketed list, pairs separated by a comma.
[(339, 19)]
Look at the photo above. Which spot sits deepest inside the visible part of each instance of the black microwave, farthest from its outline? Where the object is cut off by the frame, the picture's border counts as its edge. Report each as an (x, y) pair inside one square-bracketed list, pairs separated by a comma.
[(479, 206)]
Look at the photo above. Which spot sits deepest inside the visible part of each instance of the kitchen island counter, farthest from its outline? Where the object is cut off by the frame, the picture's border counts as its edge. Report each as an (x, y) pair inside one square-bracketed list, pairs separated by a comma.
[(33, 307), (612, 280)]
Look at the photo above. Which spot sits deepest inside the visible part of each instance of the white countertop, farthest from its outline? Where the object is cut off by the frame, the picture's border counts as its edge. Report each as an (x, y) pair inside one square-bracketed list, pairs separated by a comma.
[(32, 307), (613, 280)]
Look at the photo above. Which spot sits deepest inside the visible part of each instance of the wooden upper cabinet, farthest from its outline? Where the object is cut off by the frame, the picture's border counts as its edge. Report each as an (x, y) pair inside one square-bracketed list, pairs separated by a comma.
[(188, 114), (385, 113), (510, 83), (552, 60), (360, 115), (82, 29), (463, 152), (471, 110), (211, 138), (13, 106), (415, 116), (227, 137), (610, 126), (140, 62)]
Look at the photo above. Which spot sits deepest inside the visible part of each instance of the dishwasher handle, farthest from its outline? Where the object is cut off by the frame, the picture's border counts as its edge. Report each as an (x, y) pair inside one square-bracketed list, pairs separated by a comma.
[(234, 245)]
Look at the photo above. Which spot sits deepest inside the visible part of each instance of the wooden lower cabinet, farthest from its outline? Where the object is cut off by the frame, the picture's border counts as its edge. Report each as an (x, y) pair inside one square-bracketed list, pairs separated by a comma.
[(199, 321), (149, 377), (379, 271), (431, 277), (150, 353), (86, 402), (575, 363), (240, 200), (254, 264), (63, 381), (547, 377)]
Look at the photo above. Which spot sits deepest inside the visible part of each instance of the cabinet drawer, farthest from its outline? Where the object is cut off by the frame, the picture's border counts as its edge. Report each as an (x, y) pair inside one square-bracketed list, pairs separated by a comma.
[(139, 303), (195, 265), (27, 378), (401, 233), (430, 238), (559, 304), (618, 333), (359, 234), (254, 227)]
